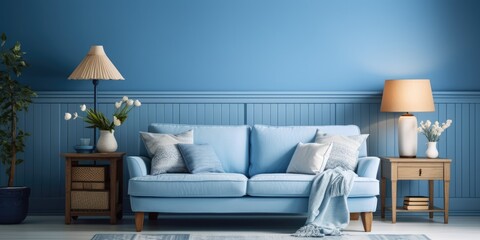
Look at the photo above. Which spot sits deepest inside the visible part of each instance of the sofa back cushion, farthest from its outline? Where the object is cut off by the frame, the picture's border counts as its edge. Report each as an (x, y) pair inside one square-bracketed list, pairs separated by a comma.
[(272, 147), (231, 143)]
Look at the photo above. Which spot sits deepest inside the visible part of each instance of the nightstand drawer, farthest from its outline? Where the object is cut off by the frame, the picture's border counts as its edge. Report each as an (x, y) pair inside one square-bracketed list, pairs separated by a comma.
[(420, 172)]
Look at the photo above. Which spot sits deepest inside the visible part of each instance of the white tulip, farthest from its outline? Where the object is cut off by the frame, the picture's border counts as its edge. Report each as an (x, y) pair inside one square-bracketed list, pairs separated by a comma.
[(75, 115), (118, 104), (83, 107), (428, 124), (68, 116), (129, 102), (116, 121), (137, 103), (125, 98)]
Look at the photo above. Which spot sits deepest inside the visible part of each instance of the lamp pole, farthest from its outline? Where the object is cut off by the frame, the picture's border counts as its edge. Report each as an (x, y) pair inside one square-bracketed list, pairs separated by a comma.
[(95, 83)]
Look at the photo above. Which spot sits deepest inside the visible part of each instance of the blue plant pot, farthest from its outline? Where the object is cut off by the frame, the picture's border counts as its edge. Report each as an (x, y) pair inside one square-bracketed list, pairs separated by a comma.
[(13, 204)]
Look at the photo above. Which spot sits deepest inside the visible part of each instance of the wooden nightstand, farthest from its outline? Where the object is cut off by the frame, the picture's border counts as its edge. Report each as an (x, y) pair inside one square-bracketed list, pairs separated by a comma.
[(415, 169), (114, 186)]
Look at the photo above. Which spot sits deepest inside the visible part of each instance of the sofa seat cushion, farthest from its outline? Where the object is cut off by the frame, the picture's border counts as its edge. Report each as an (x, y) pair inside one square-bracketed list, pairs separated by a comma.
[(189, 185), (280, 185), (365, 187), (298, 185)]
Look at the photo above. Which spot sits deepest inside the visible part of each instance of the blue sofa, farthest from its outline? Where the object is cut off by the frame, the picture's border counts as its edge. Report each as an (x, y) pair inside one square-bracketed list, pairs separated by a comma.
[(255, 160)]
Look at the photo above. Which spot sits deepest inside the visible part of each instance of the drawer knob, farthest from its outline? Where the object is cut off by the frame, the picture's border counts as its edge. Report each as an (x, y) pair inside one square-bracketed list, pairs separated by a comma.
[(420, 172)]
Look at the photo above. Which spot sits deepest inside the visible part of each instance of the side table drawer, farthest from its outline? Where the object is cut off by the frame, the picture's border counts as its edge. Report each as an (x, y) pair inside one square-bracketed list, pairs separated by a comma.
[(420, 171)]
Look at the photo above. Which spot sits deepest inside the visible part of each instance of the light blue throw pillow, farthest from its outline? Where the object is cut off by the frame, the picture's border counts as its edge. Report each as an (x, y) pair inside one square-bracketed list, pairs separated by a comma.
[(200, 158)]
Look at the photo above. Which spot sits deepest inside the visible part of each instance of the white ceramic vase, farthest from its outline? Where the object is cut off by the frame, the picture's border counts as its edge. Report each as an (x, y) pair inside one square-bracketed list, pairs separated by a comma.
[(106, 142), (432, 151)]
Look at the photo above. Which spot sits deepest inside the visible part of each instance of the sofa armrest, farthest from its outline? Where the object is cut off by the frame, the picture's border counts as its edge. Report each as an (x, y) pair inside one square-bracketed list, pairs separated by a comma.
[(368, 167), (138, 166)]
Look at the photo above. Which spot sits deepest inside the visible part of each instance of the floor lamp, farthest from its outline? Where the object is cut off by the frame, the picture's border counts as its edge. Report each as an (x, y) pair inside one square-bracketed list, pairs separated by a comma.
[(407, 96), (96, 66)]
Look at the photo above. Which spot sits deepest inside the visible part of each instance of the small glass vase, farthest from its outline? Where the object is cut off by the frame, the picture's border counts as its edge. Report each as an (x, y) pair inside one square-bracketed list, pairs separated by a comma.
[(432, 151), (107, 142)]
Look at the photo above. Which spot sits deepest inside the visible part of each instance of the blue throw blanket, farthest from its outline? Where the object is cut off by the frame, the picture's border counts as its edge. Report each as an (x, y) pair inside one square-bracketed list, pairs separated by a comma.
[(327, 208)]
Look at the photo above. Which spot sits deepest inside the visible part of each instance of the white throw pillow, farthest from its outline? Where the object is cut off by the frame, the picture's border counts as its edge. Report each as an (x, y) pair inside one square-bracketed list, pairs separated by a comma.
[(309, 158), (164, 153), (344, 151)]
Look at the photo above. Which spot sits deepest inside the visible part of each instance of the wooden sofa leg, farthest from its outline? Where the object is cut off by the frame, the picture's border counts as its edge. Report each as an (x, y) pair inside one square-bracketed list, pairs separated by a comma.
[(354, 216), (367, 218), (139, 221), (153, 216)]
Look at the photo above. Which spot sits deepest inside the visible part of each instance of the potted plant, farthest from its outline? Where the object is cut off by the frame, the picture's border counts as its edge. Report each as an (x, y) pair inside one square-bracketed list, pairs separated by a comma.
[(14, 97), (96, 119)]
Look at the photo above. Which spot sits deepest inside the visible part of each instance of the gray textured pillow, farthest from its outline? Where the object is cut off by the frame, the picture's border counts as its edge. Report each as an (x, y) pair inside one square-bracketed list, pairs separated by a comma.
[(153, 140), (163, 150), (309, 158), (344, 150), (167, 159)]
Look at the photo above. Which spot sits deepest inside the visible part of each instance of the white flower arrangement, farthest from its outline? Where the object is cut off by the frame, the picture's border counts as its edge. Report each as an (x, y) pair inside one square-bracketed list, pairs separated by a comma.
[(97, 119), (433, 131)]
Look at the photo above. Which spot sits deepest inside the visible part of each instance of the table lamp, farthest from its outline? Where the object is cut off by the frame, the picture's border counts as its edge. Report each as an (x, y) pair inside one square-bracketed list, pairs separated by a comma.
[(407, 95), (96, 66)]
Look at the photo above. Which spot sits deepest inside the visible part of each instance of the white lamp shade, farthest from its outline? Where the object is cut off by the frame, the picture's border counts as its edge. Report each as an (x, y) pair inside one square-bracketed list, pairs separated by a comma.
[(96, 66), (407, 95)]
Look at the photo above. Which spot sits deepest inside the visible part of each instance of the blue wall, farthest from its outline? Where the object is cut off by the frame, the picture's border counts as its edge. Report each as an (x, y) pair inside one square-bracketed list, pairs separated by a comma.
[(272, 45)]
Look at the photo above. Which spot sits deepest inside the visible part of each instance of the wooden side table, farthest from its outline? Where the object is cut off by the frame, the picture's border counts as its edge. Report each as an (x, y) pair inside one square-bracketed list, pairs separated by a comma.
[(115, 161), (415, 169)]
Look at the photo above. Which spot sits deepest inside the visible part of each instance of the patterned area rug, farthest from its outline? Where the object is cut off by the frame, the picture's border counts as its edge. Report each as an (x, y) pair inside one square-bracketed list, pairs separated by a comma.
[(252, 237)]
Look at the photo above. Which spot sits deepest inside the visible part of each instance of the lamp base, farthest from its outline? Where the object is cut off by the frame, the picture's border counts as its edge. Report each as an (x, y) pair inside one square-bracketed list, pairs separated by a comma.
[(407, 136)]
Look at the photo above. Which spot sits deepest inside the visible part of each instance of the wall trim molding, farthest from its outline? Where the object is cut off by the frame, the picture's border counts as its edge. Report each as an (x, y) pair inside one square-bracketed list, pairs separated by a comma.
[(243, 97)]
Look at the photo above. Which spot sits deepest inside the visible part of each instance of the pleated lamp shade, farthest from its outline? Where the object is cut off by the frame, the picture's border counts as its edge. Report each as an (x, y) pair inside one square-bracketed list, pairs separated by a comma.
[(96, 66)]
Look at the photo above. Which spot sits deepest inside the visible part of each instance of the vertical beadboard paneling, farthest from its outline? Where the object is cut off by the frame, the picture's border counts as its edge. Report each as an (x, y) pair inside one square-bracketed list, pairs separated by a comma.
[(458, 150), (465, 173), (281, 114), (36, 180), (373, 138), (451, 139), (340, 114), (43, 169), (442, 145), (477, 151), (471, 149)]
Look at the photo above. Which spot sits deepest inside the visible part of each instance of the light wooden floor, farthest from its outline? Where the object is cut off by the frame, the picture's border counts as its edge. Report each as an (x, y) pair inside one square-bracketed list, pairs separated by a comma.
[(52, 227)]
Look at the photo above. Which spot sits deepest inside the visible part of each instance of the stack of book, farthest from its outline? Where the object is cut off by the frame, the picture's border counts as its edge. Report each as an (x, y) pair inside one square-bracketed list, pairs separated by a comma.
[(415, 203)]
